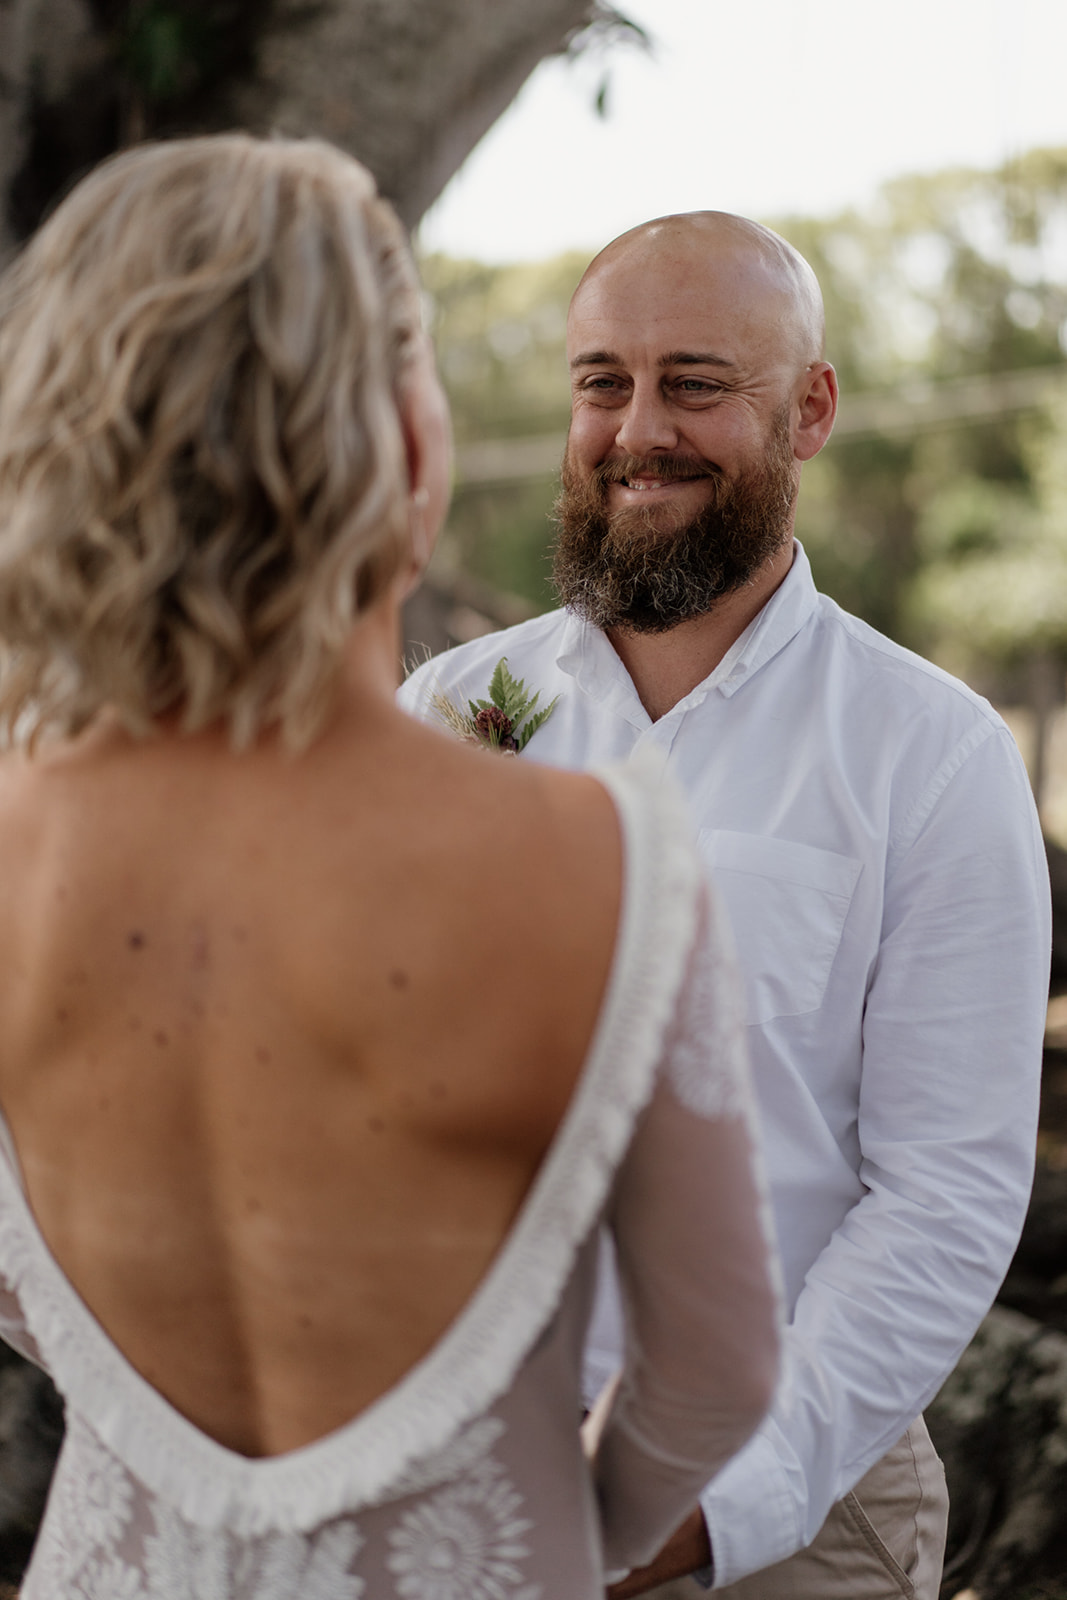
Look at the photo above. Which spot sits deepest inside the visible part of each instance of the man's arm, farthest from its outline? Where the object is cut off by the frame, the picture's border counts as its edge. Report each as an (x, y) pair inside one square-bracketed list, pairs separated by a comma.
[(952, 1046)]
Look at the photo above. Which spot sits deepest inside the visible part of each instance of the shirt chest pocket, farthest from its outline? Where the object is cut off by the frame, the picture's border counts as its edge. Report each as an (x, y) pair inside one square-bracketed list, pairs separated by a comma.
[(787, 905)]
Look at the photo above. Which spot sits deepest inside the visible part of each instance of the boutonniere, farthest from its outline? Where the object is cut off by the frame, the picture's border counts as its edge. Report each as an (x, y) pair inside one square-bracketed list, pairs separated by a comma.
[(507, 721)]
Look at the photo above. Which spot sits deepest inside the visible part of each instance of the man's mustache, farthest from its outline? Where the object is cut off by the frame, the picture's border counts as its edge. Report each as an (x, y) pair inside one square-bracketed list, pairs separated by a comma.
[(668, 469)]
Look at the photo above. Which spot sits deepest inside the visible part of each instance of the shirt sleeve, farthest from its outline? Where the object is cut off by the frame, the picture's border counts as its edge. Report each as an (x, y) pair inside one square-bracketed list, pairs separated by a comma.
[(947, 1120), (701, 1309)]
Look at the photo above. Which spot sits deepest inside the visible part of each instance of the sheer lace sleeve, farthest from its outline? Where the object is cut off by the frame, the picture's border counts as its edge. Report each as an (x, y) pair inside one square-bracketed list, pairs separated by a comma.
[(692, 1240), (13, 1327)]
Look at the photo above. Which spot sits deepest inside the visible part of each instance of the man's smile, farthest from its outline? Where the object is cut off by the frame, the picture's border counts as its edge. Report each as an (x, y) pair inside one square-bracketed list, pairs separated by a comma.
[(657, 476), (653, 483), (646, 487)]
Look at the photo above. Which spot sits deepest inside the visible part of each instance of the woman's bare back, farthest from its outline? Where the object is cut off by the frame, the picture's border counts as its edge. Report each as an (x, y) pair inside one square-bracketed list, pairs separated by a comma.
[(278, 1059)]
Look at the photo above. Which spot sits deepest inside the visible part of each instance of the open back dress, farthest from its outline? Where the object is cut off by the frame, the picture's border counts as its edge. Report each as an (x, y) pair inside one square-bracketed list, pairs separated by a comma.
[(466, 1480)]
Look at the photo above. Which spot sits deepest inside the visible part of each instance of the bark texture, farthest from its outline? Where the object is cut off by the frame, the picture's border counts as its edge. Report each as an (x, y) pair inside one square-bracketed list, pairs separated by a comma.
[(408, 86), (1000, 1426)]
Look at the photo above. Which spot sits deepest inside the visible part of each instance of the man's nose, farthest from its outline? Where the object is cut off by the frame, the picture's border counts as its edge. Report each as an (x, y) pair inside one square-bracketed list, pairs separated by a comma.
[(646, 423)]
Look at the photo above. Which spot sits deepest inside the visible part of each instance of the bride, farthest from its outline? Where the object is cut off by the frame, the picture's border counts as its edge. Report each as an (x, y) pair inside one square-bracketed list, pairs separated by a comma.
[(328, 1042)]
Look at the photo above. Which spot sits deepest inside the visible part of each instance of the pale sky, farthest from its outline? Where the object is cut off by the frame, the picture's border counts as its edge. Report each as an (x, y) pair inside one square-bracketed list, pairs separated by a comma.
[(758, 106)]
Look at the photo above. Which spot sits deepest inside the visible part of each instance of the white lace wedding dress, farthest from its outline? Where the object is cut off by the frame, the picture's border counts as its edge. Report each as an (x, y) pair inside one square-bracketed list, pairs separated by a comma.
[(466, 1480)]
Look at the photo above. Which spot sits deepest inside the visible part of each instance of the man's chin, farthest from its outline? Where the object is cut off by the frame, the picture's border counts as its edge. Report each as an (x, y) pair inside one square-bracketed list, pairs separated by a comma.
[(632, 524)]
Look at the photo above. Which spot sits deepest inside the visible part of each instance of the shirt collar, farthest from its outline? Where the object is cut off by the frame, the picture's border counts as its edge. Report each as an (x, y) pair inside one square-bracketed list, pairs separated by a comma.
[(586, 654)]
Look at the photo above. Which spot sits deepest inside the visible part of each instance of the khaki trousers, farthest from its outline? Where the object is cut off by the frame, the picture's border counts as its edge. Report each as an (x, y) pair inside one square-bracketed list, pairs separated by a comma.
[(884, 1540)]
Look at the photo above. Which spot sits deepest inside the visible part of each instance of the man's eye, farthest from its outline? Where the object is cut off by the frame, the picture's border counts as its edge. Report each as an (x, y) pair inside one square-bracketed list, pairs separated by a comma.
[(698, 386), (601, 386)]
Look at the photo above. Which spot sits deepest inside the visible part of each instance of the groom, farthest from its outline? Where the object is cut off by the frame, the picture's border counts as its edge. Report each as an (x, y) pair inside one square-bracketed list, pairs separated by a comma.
[(868, 824)]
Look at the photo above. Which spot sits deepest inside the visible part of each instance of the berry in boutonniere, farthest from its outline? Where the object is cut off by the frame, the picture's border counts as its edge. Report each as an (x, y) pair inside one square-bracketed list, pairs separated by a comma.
[(495, 728)]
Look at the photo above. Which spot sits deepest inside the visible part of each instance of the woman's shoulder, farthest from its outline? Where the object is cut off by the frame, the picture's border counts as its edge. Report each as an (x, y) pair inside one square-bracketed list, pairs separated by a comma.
[(637, 803), (558, 845), (613, 865)]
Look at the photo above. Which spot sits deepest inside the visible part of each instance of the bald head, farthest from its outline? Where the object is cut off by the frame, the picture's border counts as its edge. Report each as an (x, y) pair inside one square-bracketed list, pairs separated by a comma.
[(772, 288)]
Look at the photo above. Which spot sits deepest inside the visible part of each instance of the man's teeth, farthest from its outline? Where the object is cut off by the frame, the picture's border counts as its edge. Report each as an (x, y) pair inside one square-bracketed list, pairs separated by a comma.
[(644, 483)]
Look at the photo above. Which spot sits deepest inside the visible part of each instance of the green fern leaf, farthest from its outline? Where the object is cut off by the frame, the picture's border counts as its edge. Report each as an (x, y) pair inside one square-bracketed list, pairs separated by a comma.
[(498, 684), (537, 720), (509, 693)]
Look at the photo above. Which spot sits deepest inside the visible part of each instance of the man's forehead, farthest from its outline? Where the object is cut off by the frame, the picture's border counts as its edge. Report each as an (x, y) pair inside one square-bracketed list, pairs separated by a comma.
[(684, 279), (710, 240), (673, 319), (718, 282)]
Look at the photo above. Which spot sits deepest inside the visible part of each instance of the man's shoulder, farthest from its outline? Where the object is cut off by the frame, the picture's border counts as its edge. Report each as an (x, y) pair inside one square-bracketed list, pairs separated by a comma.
[(891, 669), (530, 647)]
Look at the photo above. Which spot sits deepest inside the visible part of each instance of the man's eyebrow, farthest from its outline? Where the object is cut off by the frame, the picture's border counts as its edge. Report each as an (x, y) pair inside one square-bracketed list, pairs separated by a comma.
[(597, 358), (694, 358), (673, 358)]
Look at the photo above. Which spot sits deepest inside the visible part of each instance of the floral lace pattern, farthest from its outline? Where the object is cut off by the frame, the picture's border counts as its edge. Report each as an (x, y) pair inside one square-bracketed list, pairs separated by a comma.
[(466, 1542), (104, 1540)]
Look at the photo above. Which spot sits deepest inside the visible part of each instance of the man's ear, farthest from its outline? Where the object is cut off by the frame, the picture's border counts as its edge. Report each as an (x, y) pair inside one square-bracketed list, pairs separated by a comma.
[(817, 408)]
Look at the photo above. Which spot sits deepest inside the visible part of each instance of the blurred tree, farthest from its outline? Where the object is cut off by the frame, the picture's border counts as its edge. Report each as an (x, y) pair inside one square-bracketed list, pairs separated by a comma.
[(500, 335), (409, 86), (947, 275), (991, 590)]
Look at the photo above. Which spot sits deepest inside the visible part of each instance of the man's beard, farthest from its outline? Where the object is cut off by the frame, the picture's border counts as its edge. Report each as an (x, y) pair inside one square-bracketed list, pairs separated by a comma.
[(621, 570)]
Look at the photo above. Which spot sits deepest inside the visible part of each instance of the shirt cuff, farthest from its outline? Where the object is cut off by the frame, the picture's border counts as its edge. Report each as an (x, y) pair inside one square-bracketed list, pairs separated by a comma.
[(752, 1513)]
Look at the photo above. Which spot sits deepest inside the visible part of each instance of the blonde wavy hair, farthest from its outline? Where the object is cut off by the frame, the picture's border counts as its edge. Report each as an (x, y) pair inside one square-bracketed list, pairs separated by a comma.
[(203, 477)]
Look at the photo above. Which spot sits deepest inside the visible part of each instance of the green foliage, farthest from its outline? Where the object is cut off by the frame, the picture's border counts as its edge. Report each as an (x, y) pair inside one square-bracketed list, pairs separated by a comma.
[(507, 721), (534, 721), (172, 53), (509, 695), (992, 584), (934, 535), (500, 334), (502, 533), (156, 50)]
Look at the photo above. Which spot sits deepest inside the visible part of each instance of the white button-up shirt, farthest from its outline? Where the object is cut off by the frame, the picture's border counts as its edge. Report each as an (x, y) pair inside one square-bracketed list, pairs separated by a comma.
[(869, 825)]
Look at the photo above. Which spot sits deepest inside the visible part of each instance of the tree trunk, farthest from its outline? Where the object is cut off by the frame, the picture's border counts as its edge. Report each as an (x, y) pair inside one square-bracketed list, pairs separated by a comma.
[(1000, 1426), (408, 86), (40, 45)]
